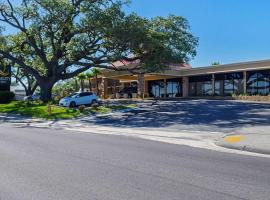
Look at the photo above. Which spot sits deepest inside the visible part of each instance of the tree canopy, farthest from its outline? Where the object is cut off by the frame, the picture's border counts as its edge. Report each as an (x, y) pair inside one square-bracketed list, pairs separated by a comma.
[(215, 63), (59, 39)]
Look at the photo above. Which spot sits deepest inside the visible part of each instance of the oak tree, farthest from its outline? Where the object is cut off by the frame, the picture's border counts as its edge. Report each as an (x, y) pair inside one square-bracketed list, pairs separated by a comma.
[(58, 39)]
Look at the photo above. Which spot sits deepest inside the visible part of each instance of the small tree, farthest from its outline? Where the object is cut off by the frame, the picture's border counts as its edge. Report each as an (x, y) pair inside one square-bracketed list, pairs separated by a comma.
[(89, 76), (81, 77), (64, 88), (26, 80), (216, 63), (96, 72), (76, 83)]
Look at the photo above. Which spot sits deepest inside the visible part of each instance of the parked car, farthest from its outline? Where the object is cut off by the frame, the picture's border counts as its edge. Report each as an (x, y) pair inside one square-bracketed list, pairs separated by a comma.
[(79, 98), (32, 97)]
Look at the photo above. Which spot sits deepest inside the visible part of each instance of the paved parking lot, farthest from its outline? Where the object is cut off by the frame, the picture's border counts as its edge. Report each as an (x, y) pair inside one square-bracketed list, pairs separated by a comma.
[(193, 115)]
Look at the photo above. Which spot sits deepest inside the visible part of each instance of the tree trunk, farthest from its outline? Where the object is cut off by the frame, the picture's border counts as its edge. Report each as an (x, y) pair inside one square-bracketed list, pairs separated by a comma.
[(46, 90), (30, 89), (28, 92), (97, 84), (76, 85), (90, 86), (82, 85)]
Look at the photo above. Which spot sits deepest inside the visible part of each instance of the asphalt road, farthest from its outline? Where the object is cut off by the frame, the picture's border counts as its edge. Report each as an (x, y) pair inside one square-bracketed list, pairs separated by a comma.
[(44, 164)]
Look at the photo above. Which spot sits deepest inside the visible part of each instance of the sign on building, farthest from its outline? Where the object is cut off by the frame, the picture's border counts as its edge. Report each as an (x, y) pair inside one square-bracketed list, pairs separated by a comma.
[(5, 78)]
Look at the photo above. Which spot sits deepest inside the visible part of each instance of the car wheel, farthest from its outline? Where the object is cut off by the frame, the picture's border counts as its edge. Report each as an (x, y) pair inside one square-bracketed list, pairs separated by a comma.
[(94, 101), (72, 104)]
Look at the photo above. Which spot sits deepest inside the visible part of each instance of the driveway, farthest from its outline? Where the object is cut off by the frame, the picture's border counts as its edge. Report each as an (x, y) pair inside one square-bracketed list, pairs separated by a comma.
[(193, 115)]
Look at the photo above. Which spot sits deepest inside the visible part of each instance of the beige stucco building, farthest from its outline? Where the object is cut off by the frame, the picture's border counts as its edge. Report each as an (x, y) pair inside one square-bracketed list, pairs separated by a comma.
[(183, 81)]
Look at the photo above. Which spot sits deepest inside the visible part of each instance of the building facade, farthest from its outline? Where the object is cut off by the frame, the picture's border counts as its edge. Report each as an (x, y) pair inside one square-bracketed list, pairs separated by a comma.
[(251, 78)]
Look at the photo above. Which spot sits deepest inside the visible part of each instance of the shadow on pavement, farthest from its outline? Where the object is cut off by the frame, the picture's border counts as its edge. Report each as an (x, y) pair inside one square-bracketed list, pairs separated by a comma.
[(199, 115), (191, 113)]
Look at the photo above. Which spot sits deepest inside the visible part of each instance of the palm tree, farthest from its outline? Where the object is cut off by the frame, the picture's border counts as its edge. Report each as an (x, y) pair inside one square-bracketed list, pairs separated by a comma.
[(96, 72), (89, 75), (76, 83), (81, 77), (216, 63)]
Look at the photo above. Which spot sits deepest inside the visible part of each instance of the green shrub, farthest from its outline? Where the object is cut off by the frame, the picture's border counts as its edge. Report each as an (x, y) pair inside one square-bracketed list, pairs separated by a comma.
[(82, 108), (6, 96)]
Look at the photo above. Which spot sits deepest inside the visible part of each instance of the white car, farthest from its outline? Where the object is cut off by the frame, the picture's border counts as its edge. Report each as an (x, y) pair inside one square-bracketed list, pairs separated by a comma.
[(32, 97), (79, 98)]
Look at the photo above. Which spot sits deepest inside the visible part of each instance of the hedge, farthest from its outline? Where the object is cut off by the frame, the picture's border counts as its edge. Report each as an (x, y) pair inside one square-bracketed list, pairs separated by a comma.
[(6, 96)]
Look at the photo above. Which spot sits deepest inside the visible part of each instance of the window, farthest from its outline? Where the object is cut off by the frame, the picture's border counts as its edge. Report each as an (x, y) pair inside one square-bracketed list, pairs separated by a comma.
[(192, 89), (174, 87), (228, 87), (156, 88), (258, 82), (200, 85), (84, 94), (219, 87), (228, 84)]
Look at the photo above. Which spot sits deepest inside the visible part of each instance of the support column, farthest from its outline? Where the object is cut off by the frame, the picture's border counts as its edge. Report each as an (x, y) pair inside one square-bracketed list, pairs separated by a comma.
[(245, 82), (165, 88), (140, 86), (213, 84), (104, 88), (146, 90), (113, 89), (185, 83)]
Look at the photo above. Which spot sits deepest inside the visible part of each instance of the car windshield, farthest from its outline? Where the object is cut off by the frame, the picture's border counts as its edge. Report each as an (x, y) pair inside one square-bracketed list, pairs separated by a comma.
[(73, 95)]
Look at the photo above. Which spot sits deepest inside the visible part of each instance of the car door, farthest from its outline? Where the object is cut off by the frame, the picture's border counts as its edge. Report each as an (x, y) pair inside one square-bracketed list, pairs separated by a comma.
[(80, 99), (90, 97), (85, 98)]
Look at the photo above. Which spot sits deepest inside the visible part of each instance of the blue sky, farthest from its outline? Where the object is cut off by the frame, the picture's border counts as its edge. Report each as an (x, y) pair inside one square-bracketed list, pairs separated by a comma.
[(228, 30)]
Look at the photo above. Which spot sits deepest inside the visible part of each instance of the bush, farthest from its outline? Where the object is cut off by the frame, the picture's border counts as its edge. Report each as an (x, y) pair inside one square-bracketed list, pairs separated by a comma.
[(81, 108), (6, 96)]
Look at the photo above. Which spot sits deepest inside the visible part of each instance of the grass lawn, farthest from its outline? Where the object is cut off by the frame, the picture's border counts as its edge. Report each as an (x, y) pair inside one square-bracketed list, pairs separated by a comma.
[(40, 110)]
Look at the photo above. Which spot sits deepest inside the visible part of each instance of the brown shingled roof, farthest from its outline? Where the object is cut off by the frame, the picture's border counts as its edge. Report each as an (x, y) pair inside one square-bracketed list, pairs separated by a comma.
[(127, 65)]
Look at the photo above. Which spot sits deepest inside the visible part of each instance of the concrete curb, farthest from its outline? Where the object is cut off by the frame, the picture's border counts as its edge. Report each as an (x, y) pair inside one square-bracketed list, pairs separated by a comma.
[(251, 143)]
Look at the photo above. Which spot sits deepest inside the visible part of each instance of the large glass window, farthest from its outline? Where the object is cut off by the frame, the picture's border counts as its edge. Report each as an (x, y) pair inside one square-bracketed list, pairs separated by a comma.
[(192, 89), (228, 87), (228, 84), (258, 82), (174, 87), (219, 87), (200, 85), (207, 88), (156, 88)]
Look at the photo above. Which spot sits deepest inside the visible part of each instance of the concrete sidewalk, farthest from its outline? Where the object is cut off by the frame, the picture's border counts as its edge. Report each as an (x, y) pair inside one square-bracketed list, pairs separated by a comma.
[(253, 139)]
